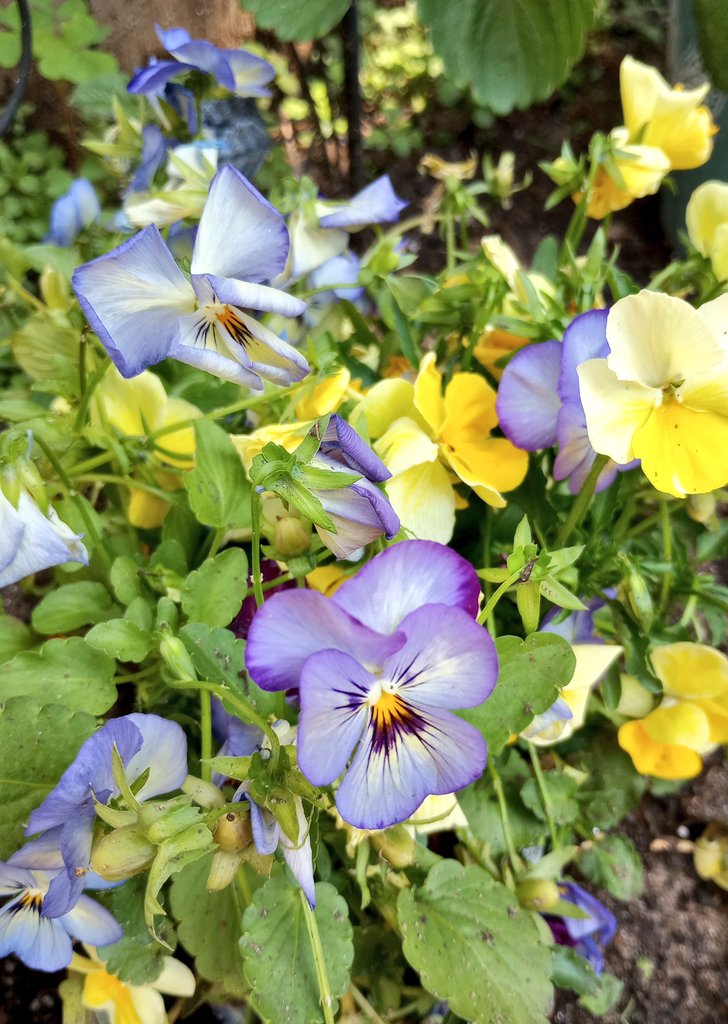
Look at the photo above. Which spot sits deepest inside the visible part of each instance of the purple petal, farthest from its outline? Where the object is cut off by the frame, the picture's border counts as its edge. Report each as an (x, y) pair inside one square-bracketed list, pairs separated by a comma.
[(32, 542), (293, 625), (360, 513), (342, 443), (266, 831), (182, 102), (433, 752), (601, 923), (154, 150), (584, 338), (298, 856), (378, 203), (205, 56), (163, 752), (240, 234), (528, 403), (334, 712), (251, 73), (152, 79), (337, 271), (576, 455), (133, 298), (92, 923), (252, 296), (171, 38), (447, 661), (42, 854), (405, 577), (76, 841), (41, 943)]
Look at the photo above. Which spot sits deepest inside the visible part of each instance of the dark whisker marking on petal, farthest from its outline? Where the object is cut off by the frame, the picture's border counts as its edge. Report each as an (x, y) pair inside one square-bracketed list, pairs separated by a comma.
[(230, 320)]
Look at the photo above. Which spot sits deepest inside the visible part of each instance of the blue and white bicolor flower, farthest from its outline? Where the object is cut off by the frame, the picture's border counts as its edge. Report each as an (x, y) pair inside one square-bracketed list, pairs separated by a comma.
[(379, 667), (238, 71), (144, 308), (40, 941), (146, 743), (320, 230), (76, 209), (31, 541)]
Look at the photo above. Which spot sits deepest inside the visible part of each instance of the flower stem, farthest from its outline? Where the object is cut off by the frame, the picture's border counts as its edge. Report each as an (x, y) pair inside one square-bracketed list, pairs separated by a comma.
[(327, 1000), (503, 811), (545, 795), (667, 552), (490, 604), (255, 524), (583, 499), (206, 738)]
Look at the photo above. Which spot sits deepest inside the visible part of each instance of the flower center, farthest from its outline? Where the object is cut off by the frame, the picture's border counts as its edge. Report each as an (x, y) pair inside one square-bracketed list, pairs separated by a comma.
[(32, 899), (216, 315)]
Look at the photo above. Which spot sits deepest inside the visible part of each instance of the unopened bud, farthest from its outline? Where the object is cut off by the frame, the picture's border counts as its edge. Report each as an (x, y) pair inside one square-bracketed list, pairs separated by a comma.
[(528, 599), (121, 854), (54, 289), (291, 537), (640, 600), (223, 869), (176, 657), (233, 832), (396, 845), (537, 894)]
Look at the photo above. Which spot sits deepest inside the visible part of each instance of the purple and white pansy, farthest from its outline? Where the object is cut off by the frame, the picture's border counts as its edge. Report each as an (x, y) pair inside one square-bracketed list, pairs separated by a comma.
[(539, 403), (379, 667), (31, 540), (144, 308), (148, 745)]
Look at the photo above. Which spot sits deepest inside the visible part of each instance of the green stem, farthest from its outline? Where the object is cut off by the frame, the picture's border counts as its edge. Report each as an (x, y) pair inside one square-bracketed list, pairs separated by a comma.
[(667, 553), (88, 464), (226, 410), (545, 795), (255, 525), (123, 481), (327, 1000), (689, 610), (487, 589), (217, 538), (493, 601), (206, 737), (583, 500), (503, 811), (90, 386)]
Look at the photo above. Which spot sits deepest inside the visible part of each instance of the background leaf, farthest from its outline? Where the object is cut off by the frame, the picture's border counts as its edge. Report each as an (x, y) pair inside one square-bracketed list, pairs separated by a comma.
[(37, 744), (511, 54), (218, 490), (291, 19), (136, 958), (67, 672), (614, 863), (711, 19), (214, 593), (277, 952), (71, 606), (474, 946)]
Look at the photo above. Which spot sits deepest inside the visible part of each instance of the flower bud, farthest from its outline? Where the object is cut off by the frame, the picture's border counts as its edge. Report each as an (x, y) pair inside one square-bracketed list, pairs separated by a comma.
[(54, 289), (640, 600), (121, 854), (537, 894), (291, 537), (176, 657), (396, 845), (223, 869), (233, 832)]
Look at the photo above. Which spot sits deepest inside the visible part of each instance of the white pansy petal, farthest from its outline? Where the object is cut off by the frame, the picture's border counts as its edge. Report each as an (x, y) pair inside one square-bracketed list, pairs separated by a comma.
[(615, 410), (312, 246), (176, 979), (240, 234), (255, 296), (215, 353), (424, 500), (657, 339), (45, 541), (148, 1004), (133, 298), (12, 529)]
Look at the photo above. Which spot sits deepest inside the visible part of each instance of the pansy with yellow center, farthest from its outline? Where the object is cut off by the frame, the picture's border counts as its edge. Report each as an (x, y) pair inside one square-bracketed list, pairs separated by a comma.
[(692, 717), (123, 1003), (429, 441), (661, 395), (706, 218), (137, 408)]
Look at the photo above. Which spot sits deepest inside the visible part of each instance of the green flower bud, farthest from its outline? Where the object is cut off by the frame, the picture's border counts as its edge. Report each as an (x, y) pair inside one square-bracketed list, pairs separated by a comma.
[(176, 657), (537, 894), (121, 854), (223, 869), (640, 600)]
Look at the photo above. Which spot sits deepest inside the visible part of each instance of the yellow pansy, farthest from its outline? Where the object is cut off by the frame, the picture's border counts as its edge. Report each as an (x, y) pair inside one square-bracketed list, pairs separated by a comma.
[(642, 169), (428, 441), (122, 1003), (326, 579), (692, 717), (674, 120), (707, 223), (139, 407), (661, 395), (325, 396)]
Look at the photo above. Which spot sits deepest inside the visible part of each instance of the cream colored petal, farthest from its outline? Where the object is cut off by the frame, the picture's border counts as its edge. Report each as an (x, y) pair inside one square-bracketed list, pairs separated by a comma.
[(439, 813), (614, 410), (691, 671), (500, 256), (134, 406), (176, 979), (715, 314), (405, 445), (719, 253), (657, 339), (384, 403), (707, 209), (592, 661), (148, 1004), (424, 500)]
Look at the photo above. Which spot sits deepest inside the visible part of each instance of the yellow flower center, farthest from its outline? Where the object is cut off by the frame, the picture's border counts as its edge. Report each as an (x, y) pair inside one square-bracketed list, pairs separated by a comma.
[(101, 988)]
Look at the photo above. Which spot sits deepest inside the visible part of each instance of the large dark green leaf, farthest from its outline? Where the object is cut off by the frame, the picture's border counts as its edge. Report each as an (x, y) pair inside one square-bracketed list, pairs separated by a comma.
[(294, 19), (511, 53), (711, 18)]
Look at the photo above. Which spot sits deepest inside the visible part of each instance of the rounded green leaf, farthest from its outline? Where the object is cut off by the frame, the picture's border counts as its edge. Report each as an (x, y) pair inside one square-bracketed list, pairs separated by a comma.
[(214, 593), (73, 605), (67, 672), (473, 946), (291, 19)]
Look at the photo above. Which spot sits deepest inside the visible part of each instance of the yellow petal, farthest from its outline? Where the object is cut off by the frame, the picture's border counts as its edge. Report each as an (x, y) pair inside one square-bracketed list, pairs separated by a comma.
[(639, 86), (405, 445), (326, 579), (678, 723), (146, 510), (489, 468), (178, 448), (135, 407), (469, 410), (706, 211), (493, 345), (102, 991), (615, 410), (288, 435), (428, 394), (325, 397), (384, 403), (423, 499), (691, 671), (683, 451), (658, 759)]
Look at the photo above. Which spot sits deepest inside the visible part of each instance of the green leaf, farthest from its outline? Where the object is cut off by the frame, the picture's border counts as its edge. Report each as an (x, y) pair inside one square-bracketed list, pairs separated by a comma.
[(569, 970), (125, 579), (37, 744), (67, 672), (529, 675), (613, 787), (291, 19), (15, 636), (71, 606), (511, 54), (214, 593), (711, 20), (220, 657), (614, 864), (277, 953), (121, 639), (137, 957), (607, 994), (209, 926), (561, 789), (218, 489), (475, 947)]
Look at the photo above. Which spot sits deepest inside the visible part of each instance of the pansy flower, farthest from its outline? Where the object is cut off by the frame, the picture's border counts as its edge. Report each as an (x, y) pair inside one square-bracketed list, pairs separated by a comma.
[(429, 440), (691, 718), (589, 934), (119, 1001), (661, 393), (539, 404), (148, 745), (76, 209), (31, 540), (238, 71), (380, 665), (144, 308), (706, 218)]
